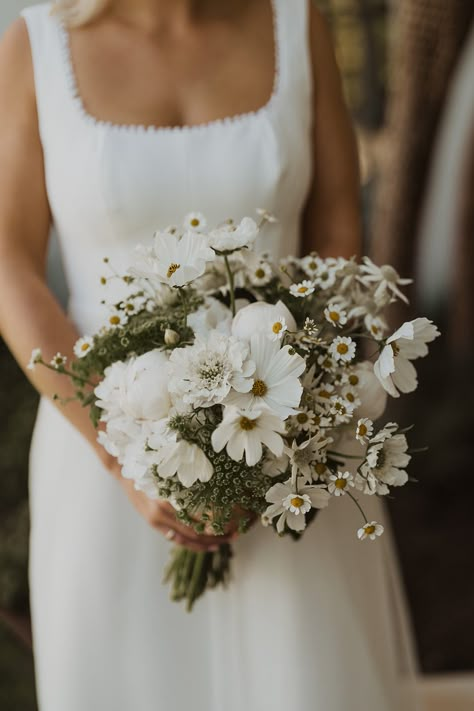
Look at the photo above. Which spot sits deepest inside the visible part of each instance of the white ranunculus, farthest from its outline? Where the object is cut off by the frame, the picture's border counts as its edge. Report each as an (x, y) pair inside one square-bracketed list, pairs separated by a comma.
[(144, 389), (229, 236), (213, 314), (252, 318), (372, 394), (108, 391)]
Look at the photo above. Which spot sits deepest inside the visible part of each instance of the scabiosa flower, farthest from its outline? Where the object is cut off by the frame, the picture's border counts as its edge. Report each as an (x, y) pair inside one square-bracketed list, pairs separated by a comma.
[(343, 349), (364, 430), (83, 346), (36, 357), (335, 315), (370, 530), (244, 431), (303, 289), (291, 501), (393, 368), (59, 361), (338, 483)]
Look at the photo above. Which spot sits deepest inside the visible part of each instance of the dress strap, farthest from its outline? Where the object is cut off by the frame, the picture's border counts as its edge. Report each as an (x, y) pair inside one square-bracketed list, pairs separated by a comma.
[(292, 21), (50, 75)]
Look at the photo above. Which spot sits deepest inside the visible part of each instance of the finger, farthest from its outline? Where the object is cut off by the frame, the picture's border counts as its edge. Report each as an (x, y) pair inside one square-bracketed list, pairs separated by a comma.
[(188, 531), (181, 540)]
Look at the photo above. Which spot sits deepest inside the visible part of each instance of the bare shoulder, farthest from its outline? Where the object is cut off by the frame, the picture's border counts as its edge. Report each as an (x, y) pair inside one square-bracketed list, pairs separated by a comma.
[(16, 68)]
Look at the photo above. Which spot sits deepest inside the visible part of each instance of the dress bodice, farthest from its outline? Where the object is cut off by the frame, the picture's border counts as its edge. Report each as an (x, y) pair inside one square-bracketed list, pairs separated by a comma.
[(111, 186)]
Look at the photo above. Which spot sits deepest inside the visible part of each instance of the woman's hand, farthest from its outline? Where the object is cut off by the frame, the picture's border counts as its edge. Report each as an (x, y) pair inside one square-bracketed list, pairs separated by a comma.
[(161, 516)]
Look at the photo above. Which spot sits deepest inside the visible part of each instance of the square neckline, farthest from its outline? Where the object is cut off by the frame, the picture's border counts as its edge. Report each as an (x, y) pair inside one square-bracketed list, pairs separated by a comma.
[(235, 119)]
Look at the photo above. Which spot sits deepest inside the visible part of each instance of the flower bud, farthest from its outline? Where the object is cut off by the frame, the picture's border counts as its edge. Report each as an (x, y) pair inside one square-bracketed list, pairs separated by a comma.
[(172, 338)]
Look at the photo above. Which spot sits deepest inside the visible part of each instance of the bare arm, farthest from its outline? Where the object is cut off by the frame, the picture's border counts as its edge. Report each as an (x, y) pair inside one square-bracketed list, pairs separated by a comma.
[(332, 222), (30, 316)]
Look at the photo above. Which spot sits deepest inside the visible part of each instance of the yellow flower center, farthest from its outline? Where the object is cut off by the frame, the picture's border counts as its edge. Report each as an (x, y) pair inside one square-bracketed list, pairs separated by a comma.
[(342, 348), (259, 388), (320, 468), (195, 222), (302, 289), (277, 326), (297, 502), (350, 397), (172, 269), (369, 530), (341, 483), (85, 347), (375, 329), (302, 417), (247, 424), (103, 280), (395, 348), (324, 393), (334, 316), (354, 379), (129, 307), (312, 266), (259, 273), (362, 430), (114, 320)]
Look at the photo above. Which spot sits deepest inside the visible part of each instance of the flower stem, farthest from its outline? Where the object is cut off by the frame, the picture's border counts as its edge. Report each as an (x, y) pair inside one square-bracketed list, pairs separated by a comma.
[(358, 506), (231, 284), (64, 371), (182, 294)]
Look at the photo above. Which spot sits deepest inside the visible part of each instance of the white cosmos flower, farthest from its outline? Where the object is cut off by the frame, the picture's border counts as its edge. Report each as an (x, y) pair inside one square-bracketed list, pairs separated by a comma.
[(386, 459), (249, 320), (276, 383), (370, 530), (364, 430), (342, 348), (335, 315), (338, 483), (386, 278), (83, 346), (230, 236), (203, 374), (35, 358), (374, 397), (244, 431), (393, 368), (303, 289), (291, 501), (185, 459), (173, 260)]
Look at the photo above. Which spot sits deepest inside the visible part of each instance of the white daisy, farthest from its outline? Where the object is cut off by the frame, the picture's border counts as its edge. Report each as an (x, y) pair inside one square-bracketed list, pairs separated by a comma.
[(335, 315), (364, 430), (173, 260), (276, 383), (370, 530), (310, 265), (386, 278), (117, 319), (343, 348), (58, 361), (83, 346), (376, 326), (291, 501), (186, 460), (261, 274), (393, 368), (326, 274), (338, 483), (133, 306), (304, 420), (36, 357), (351, 395), (202, 375), (195, 221), (323, 393), (341, 409), (303, 289), (244, 431), (277, 329), (327, 363)]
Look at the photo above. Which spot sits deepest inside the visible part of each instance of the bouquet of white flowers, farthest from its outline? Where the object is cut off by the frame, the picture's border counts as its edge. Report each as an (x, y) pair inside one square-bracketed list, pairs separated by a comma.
[(232, 385)]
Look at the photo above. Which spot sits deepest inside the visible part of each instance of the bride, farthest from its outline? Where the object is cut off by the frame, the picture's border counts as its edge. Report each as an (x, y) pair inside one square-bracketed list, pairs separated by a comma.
[(118, 117)]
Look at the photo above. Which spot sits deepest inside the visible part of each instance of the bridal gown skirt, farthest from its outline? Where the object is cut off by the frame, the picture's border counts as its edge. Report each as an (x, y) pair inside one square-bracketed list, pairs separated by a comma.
[(316, 625)]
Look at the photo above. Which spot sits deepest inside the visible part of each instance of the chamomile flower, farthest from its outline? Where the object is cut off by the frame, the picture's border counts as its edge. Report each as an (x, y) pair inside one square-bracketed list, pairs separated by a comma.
[(325, 277), (36, 357), (310, 328), (117, 319), (351, 395), (291, 501), (376, 326), (260, 274), (310, 265), (327, 363), (277, 329), (335, 315), (364, 430), (133, 306), (323, 393), (338, 483), (304, 420), (59, 361), (83, 346), (303, 289), (195, 221), (370, 530), (343, 349), (341, 409)]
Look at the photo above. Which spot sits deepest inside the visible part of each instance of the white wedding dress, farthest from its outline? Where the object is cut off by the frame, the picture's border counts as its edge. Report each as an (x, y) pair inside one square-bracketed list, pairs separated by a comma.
[(313, 626)]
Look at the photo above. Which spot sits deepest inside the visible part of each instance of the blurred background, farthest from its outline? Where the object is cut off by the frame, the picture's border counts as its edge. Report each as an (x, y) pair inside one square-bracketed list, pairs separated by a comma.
[(408, 69)]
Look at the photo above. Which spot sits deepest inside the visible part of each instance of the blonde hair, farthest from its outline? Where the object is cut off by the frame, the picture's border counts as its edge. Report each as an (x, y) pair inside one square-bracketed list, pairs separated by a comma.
[(78, 12)]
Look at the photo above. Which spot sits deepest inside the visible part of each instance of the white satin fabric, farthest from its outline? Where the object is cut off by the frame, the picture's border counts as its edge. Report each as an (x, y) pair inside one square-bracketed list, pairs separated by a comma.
[(313, 626)]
